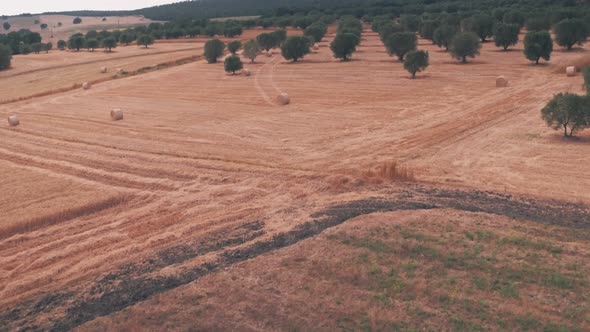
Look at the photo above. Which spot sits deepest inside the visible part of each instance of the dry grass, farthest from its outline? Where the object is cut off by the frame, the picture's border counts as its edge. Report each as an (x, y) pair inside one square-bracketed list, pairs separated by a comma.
[(391, 171), (37, 223)]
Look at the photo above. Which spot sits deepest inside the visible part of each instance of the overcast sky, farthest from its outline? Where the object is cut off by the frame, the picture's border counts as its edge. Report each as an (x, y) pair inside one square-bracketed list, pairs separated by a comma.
[(13, 7)]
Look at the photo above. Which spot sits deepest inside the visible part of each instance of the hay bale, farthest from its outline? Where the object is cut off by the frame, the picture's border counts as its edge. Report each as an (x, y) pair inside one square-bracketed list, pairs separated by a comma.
[(246, 72), (116, 114), (315, 47), (283, 99), (120, 71), (570, 71), (269, 53), (501, 82), (103, 70), (13, 121), (86, 85)]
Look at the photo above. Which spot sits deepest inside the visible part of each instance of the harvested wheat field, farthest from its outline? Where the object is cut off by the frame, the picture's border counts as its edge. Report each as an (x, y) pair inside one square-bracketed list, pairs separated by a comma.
[(370, 201)]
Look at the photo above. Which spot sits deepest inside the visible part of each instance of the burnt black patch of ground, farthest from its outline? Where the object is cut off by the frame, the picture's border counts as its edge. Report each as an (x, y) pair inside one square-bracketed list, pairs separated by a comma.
[(136, 282)]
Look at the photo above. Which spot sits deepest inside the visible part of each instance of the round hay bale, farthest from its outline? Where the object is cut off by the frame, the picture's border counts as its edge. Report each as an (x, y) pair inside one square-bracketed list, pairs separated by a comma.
[(13, 121), (246, 72), (103, 70), (315, 47), (120, 71), (283, 99), (116, 114), (570, 71), (86, 85), (501, 82), (269, 53)]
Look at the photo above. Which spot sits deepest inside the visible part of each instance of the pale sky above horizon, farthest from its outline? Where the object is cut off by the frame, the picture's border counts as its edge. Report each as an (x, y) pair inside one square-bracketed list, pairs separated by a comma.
[(12, 7)]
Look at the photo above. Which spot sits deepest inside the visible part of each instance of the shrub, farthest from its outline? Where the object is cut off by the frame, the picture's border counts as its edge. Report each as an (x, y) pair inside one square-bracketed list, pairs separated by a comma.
[(5, 57), (506, 35), (109, 43), (344, 45), (62, 44), (416, 61), (145, 40), (232, 64), (296, 48), (92, 44), (43, 26), (6, 26), (463, 45), (537, 45), (234, 46), (77, 20), (251, 50), (213, 50), (570, 32), (443, 35), (567, 111), (401, 43)]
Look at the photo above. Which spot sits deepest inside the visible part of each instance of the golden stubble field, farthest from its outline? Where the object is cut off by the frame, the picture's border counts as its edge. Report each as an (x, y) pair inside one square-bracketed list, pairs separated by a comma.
[(205, 163)]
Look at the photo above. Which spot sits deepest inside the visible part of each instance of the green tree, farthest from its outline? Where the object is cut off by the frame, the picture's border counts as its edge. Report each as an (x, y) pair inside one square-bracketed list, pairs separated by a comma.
[(77, 20), (109, 43), (126, 38), (232, 29), (266, 41), (344, 45), (62, 44), (401, 43), (538, 24), (279, 37), (443, 35), (232, 64), (213, 50), (428, 28), (47, 47), (411, 23), (567, 111), (570, 32), (6, 26), (251, 50), (234, 46), (37, 48), (145, 40), (317, 31), (463, 45), (92, 44), (482, 26), (389, 29), (43, 26), (514, 17), (537, 45), (416, 61), (5, 57), (506, 35), (76, 42), (296, 48), (586, 73)]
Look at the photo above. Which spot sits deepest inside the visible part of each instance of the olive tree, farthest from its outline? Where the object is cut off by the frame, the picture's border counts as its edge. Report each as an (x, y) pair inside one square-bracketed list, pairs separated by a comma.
[(317, 31), (567, 111), (77, 20), (6, 26), (109, 43), (416, 61), (586, 74), (213, 50), (506, 35), (537, 45), (266, 41), (296, 48), (463, 45), (571, 32), (37, 47), (92, 44), (62, 44), (145, 40), (5, 57), (482, 26), (443, 35), (428, 28), (401, 43), (234, 46), (251, 50), (76, 42), (47, 47), (344, 45), (232, 64)]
